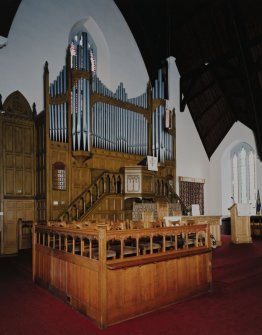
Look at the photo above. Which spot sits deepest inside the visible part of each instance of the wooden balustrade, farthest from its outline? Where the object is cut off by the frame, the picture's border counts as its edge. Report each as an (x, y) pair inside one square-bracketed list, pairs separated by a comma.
[(112, 274), (106, 183), (81, 240)]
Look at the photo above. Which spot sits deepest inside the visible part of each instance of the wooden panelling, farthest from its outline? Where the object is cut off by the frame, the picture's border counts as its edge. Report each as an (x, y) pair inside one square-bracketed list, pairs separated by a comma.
[(18, 161), (9, 186), (17, 170), (18, 139), (18, 153), (76, 281), (28, 144), (28, 162), (9, 159), (14, 210), (8, 134), (109, 208), (111, 291), (28, 184), (19, 189), (157, 285)]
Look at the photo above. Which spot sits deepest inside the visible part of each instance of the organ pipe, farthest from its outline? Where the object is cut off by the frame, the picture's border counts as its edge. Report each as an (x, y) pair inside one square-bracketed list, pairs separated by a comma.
[(105, 125)]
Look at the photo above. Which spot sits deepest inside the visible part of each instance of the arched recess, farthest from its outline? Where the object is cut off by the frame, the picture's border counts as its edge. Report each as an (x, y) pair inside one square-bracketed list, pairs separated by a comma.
[(226, 175), (16, 103), (89, 25)]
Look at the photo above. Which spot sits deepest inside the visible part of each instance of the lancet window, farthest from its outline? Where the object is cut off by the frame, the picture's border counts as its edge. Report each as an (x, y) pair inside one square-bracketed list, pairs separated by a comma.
[(243, 165)]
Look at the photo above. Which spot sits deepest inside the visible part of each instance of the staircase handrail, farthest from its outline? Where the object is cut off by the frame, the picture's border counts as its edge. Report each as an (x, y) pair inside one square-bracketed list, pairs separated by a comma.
[(86, 190)]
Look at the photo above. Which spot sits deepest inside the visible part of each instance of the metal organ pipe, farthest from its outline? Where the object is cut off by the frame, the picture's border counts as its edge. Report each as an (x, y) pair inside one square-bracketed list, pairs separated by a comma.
[(88, 114), (74, 118), (78, 127), (58, 123), (113, 128), (84, 97)]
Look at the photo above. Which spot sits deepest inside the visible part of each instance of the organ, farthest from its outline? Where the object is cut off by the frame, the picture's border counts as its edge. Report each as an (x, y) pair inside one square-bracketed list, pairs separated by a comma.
[(93, 133)]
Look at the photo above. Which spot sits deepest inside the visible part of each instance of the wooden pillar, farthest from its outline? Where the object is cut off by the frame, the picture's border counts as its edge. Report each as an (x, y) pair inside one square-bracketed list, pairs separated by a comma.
[(102, 275), (34, 239)]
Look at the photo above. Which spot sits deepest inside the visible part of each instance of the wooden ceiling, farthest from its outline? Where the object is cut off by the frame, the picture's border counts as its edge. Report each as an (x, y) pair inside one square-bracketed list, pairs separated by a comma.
[(8, 9), (217, 45)]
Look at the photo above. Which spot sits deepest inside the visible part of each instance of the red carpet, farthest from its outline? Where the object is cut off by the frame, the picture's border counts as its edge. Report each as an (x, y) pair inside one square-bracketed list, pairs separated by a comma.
[(234, 306)]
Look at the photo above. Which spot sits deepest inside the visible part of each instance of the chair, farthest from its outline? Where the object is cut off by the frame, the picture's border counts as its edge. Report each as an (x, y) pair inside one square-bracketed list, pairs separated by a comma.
[(109, 254), (162, 210), (136, 225), (147, 217), (128, 250), (117, 225), (116, 246), (145, 246)]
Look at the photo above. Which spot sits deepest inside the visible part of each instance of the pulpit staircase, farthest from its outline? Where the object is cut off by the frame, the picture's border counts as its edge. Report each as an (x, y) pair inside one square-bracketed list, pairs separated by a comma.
[(174, 197), (108, 183), (168, 194)]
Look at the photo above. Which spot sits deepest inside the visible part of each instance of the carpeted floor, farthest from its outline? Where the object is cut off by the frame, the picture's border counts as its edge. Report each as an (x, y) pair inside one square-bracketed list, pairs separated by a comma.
[(234, 307)]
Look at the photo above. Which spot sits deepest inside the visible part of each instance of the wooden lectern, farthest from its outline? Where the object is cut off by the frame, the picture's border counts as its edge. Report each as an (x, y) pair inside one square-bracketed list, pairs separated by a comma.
[(240, 226)]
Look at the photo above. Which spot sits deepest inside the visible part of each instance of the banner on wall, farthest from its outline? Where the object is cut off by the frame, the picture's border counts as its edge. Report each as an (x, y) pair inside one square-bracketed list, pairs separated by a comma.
[(152, 163)]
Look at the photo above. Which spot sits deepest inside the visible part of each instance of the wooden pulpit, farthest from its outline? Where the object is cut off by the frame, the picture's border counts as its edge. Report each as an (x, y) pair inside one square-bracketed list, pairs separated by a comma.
[(240, 225)]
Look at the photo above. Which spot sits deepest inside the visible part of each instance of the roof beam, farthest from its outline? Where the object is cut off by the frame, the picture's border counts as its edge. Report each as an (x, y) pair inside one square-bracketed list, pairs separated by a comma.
[(252, 80), (211, 105), (189, 96)]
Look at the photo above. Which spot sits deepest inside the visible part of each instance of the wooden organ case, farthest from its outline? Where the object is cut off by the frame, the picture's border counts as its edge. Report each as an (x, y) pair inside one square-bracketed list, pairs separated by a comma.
[(87, 135), (17, 169)]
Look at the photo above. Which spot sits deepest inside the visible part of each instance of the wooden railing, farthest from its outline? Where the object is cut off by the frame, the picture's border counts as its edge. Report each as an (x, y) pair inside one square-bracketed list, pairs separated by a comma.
[(112, 275), (82, 239), (83, 204)]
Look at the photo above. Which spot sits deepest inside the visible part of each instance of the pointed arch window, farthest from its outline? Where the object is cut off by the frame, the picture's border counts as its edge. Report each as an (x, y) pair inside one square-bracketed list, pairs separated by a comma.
[(243, 164), (59, 176)]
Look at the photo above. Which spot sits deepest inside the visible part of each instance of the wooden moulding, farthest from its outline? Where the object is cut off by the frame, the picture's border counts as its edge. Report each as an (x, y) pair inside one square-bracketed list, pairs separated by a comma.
[(112, 265)]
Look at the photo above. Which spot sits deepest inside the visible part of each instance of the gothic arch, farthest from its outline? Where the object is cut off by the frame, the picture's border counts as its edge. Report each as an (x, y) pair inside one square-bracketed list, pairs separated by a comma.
[(17, 104), (90, 26)]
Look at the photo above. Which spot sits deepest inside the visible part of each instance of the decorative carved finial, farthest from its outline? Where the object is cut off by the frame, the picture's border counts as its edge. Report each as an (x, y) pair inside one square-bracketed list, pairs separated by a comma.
[(1, 105), (46, 67), (34, 110)]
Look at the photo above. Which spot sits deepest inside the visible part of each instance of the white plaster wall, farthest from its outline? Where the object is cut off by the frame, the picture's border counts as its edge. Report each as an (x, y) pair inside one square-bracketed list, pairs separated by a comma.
[(191, 158), (40, 33)]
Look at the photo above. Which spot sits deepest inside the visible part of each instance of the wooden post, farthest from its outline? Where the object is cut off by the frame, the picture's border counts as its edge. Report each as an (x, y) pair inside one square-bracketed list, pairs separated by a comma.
[(33, 250), (102, 275)]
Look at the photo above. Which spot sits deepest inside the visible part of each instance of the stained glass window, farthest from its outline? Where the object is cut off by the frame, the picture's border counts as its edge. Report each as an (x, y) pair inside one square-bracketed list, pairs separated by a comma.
[(59, 176)]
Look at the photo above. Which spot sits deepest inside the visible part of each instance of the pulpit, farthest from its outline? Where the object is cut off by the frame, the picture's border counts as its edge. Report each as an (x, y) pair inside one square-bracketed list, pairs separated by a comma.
[(240, 224), (139, 182)]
